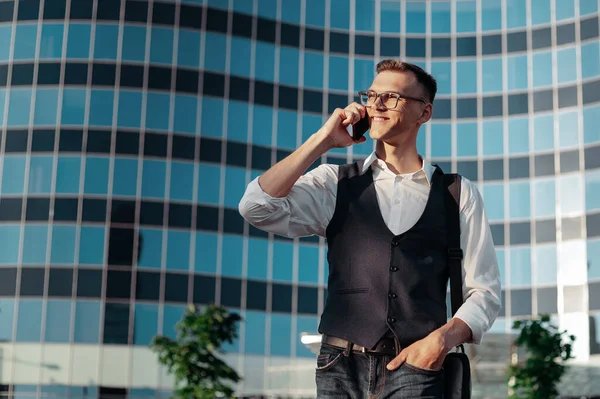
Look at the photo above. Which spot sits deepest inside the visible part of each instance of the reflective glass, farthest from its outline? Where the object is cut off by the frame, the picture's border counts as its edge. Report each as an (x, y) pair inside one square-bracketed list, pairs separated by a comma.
[(520, 267), (543, 127), (568, 128), (493, 137), (571, 198), (546, 268), (519, 200), (545, 198), (441, 140)]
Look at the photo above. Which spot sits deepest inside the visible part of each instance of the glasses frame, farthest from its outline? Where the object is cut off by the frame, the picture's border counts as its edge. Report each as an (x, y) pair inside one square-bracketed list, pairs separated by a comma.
[(400, 96)]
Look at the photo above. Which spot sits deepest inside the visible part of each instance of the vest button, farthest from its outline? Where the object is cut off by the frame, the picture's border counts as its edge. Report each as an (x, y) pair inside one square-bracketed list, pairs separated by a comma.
[(392, 295), (391, 320), (394, 243), (394, 268)]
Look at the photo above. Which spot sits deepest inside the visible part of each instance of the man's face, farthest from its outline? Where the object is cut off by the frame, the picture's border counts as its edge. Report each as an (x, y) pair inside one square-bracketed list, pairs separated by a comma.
[(407, 116)]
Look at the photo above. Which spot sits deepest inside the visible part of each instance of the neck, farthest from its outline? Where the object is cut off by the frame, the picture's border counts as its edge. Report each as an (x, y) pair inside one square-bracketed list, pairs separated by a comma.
[(401, 157)]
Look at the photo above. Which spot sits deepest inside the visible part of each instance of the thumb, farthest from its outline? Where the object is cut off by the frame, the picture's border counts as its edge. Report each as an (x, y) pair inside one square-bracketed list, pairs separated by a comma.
[(397, 361)]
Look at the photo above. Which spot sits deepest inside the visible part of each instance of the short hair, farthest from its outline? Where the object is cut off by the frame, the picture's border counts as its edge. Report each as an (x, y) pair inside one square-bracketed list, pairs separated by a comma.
[(427, 81)]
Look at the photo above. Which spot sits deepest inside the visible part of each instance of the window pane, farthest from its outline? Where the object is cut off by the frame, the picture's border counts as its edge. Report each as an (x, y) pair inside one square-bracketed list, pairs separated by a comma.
[(516, 13), (235, 185), (257, 258), (178, 250), (517, 72), (443, 74), (281, 332), (568, 125), (466, 77), (592, 190), (542, 69), (29, 321), (546, 266), (390, 17), (518, 135), (150, 248), (338, 75), (206, 253), (365, 15), (543, 126), (308, 264), (415, 17), (542, 11), (571, 198), (35, 243), (493, 138), (593, 255), (283, 257), (492, 74), (440, 17), (520, 267), (467, 139), (491, 15), (545, 198), (6, 318), (567, 67), (58, 321), (441, 140), (262, 128), (466, 16), (493, 195), (340, 14), (255, 333), (519, 200), (313, 70), (209, 182), (590, 60), (182, 181), (363, 74), (63, 245), (146, 324), (172, 315), (232, 255), (240, 58), (565, 9)]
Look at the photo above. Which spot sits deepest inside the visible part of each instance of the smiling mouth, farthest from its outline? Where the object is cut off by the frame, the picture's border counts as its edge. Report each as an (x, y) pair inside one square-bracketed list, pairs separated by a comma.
[(379, 119)]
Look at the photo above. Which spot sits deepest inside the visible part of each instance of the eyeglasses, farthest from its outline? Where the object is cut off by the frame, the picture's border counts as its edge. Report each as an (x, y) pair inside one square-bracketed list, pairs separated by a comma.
[(389, 99)]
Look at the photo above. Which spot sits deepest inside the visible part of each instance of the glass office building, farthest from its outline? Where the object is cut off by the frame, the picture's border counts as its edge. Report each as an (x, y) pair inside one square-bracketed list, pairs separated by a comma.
[(131, 128)]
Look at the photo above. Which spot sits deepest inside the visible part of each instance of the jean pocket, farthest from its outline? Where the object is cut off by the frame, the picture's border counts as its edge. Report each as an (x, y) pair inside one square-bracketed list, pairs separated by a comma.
[(422, 370), (328, 358)]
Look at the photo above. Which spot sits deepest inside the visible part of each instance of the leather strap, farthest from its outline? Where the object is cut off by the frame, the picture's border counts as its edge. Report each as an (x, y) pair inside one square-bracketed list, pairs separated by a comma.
[(385, 346)]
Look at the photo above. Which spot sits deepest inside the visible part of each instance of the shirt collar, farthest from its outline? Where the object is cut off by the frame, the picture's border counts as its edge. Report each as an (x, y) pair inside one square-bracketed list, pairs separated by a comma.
[(427, 169)]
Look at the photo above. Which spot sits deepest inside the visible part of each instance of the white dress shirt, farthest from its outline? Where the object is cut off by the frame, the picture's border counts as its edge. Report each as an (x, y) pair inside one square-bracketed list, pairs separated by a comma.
[(309, 207)]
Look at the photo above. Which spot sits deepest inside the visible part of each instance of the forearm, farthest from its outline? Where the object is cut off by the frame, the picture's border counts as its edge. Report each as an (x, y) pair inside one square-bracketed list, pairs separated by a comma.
[(454, 333), (280, 178)]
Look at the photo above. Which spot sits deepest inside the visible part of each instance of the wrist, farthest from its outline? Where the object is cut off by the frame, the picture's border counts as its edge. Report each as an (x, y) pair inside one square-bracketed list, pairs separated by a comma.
[(453, 333), (322, 141)]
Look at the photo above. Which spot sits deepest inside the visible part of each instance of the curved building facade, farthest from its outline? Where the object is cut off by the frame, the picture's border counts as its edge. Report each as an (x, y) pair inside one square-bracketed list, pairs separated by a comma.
[(131, 128)]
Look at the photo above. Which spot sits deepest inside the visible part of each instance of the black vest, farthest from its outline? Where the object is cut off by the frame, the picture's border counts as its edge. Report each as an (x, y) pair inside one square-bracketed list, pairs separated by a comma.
[(379, 281)]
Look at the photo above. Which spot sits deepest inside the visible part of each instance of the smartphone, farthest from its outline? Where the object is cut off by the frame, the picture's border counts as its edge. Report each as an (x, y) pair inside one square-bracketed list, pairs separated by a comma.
[(361, 127)]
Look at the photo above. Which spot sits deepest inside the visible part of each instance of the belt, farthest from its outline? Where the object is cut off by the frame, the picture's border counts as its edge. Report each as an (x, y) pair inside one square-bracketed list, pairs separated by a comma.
[(385, 346)]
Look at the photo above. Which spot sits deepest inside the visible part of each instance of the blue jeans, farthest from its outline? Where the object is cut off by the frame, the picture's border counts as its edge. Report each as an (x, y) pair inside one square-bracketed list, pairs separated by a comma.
[(360, 375)]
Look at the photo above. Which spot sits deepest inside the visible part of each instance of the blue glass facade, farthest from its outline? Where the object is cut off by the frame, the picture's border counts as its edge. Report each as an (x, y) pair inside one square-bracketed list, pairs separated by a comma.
[(131, 128)]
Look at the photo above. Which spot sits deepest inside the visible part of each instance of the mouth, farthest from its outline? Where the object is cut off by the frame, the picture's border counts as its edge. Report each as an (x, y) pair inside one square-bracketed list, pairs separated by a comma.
[(379, 119)]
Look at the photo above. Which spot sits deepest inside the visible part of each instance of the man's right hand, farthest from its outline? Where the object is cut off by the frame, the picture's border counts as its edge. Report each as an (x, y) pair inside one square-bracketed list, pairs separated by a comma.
[(334, 129)]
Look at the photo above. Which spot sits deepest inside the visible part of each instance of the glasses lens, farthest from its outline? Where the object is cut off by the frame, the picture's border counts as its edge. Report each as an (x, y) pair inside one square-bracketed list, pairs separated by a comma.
[(389, 100), (367, 98)]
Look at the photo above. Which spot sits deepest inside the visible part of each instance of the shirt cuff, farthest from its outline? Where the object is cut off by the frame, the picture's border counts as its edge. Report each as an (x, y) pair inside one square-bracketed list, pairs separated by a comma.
[(475, 318), (258, 196)]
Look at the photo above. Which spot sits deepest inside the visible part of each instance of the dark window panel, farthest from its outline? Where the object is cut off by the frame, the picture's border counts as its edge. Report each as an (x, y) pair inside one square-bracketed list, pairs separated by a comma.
[(493, 169), (22, 75), (155, 145), (147, 286), (38, 209), (254, 232), (28, 10), (163, 13), (541, 38), (520, 233), (76, 73), (213, 84), (313, 101), (440, 47), (65, 209), (283, 294), (98, 141), (516, 41), (43, 141), (288, 97), (190, 16), (120, 246), (3, 72), (122, 211), (389, 47), (263, 93), (337, 101), (415, 47), (592, 158), (207, 218), (569, 161), (546, 300), (565, 34), (53, 9), (83, 9), (314, 39), (132, 76), (544, 165), (239, 89), (567, 96), (517, 104), (48, 73), (70, 140), (543, 100), (571, 228), (590, 92), (443, 109), (159, 78), (180, 215), (216, 20), (210, 150), (520, 303), (265, 30), (127, 143), (339, 42), (8, 281), (545, 231), (468, 169), (588, 28), (466, 46), (116, 323), (256, 295), (60, 282), (242, 25), (7, 11), (518, 167), (94, 210), (89, 283), (204, 289), (186, 81), (16, 141), (364, 45), (445, 166), (32, 282), (183, 147), (112, 393), (492, 106), (233, 223), (491, 44), (290, 35), (497, 234), (108, 10), (308, 300), (261, 158), (176, 287), (236, 154), (231, 292), (593, 225), (151, 213), (118, 284), (467, 108)]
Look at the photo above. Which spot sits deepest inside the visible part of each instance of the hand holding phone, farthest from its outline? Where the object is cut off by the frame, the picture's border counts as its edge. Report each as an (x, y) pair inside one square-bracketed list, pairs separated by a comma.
[(361, 127)]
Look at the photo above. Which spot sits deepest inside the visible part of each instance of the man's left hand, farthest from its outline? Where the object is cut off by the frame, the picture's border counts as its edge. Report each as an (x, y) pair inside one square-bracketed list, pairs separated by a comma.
[(428, 353)]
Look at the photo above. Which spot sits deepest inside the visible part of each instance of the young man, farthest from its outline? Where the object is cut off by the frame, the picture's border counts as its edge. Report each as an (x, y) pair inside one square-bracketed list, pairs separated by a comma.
[(384, 327)]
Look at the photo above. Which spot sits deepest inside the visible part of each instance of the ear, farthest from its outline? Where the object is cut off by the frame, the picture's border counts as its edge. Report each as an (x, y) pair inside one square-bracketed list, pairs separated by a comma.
[(426, 114)]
